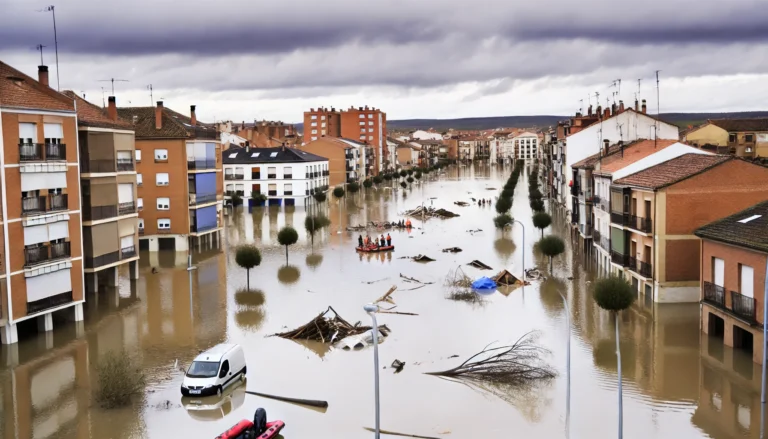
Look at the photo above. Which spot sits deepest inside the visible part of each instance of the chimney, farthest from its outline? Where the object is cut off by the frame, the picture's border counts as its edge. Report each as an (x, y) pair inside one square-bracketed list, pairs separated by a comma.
[(606, 146), (192, 115), (637, 105), (589, 110), (607, 113), (613, 109), (621, 106), (242, 127), (599, 110), (159, 116), (112, 108), (645, 107), (621, 147), (42, 75), (578, 114)]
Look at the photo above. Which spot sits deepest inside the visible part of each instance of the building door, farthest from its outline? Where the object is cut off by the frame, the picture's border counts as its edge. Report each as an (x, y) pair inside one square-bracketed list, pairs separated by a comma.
[(746, 281), (633, 250), (648, 209), (634, 207), (718, 272)]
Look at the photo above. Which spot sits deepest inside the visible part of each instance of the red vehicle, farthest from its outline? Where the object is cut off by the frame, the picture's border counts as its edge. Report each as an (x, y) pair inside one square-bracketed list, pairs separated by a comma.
[(375, 249), (258, 429)]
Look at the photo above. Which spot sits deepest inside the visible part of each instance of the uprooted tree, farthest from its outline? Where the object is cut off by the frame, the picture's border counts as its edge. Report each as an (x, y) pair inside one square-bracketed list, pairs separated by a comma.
[(328, 328)]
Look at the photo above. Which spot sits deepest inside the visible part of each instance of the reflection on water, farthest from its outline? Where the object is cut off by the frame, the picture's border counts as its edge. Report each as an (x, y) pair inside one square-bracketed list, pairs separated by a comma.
[(213, 408), (678, 382)]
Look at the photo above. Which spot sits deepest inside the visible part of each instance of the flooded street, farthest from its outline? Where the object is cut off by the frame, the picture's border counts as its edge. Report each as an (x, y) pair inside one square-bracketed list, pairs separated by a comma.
[(676, 384)]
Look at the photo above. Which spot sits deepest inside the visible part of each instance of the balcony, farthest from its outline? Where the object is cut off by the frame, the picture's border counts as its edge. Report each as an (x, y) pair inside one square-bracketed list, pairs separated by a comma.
[(101, 260), (641, 224), (55, 151), (326, 173), (642, 268), (575, 190), (743, 306), (601, 240), (57, 202), (195, 199), (619, 218), (714, 294), (272, 176), (32, 205), (288, 176), (128, 252), (42, 254), (95, 166), (126, 208), (49, 302), (200, 229), (272, 193), (198, 164), (619, 258), (96, 213), (234, 177), (30, 152), (125, 165), (141, 231)]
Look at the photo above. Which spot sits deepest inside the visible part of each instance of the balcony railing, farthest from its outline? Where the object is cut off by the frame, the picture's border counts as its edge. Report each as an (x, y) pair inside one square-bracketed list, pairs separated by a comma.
[(96, 165), (55, 151), (642, 268), (255, 175), (30, 152), (619, 218), (714, 294), (126, 208), (127, 252), (272, 193), (207, 163), (234, 177), (288, 176), (141, 231), (271, 176), (619, 258), (96, 213), (743, 306), (125, 165), (49, 302), (601, 240), (32, 205), (575, 190), (200, 229), (639, 223), (164, 231), (38, 255), (57, 202), (101, 260), (195, 199), (287, 192)]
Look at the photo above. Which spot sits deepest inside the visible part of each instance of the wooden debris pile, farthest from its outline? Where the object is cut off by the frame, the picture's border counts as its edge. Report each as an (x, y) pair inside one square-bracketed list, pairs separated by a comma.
[(328, 327), (452, 250), (480, 265), (504, 277), (431, 212), (461, 203)]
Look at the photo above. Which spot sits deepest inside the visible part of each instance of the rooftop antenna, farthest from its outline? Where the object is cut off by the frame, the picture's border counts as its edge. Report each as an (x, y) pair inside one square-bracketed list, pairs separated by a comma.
[(656, 124), (151, 99), (52, 10), (40, 48), (619, 83), (621, 138), (83, 92), (112, 80), (589, 98), (103, 101), (581, 107), (638, 87)]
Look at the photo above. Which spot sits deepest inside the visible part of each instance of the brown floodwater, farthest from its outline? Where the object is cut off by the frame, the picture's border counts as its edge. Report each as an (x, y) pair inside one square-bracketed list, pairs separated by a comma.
[(677, 382)]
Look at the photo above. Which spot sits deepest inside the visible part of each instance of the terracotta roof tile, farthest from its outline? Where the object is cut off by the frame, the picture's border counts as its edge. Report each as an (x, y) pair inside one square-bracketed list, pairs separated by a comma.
[(144, 124), (21, 91), (748, 228), (91, 115), (672, 171)]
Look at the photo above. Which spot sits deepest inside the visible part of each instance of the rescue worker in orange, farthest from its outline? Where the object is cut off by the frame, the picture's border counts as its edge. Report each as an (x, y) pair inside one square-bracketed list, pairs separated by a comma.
[(389, 240)]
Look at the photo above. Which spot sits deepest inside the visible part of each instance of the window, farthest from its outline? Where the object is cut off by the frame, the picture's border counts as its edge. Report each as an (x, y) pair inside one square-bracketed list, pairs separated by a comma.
[(273, 155), (161, 179), (322, 118), (370, 137), (138, 155), (746, 280), (288, 189), (314, 138), (163, 203), (272, 172), (161, 155), (138, 180), (140, 203), (322, 124), (370, 116), (314, 124), (53, 133), (255, 154), (362, 137), (732, 138), (27, 133), (287, 172), (323, 132), (313, 117), (314, 131), (749, 138), (141, 224), (370, 130), (370, 122), (224, 369), (362, 116), (164, 223), (230, 188)]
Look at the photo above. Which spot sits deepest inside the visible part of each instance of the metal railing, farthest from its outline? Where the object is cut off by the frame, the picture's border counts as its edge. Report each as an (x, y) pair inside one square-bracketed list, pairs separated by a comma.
[(126, 208), (639, 223), (207, 163), (30, 152), (125, 164), (642, 268), (95, 213), (601, 240), (743, 306), (619, 218), (272, 193), (287, 192), (619, 258), (714, 294), (49, 302), (55, 151), (234, 176), (288, 176), (271, 176), (96, 165), (32, 205), (57, 202), (195, 199), (127, 252), (38, 255)]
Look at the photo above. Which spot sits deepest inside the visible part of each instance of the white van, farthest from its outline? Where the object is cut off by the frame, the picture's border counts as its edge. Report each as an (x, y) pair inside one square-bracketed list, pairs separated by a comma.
[(214, 370)]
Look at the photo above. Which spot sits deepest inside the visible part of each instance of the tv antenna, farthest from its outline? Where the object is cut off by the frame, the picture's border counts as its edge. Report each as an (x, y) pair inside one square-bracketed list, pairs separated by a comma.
[(83, 92), (581, 101), (638, 87), (103, 101), (39, 47), (151, 98), (657, 93), (112, 80)]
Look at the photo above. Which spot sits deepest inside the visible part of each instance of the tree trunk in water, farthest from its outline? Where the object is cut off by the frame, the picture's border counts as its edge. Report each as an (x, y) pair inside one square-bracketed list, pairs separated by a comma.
[(618, 368), (286, 255), (248, 278), (550, 265)]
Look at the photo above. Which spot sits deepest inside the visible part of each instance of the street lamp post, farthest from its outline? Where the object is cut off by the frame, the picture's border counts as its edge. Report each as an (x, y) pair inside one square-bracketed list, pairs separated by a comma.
[(371, 309)]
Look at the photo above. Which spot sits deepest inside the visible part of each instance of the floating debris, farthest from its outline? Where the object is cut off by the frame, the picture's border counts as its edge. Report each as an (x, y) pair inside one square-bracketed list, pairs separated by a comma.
[(480, 265), (504, 277), (473, 231), (452, 250), (461, 203), (412, 279), (423, 258), (398, 365), (431, 212), (533, 274), (327, 328)]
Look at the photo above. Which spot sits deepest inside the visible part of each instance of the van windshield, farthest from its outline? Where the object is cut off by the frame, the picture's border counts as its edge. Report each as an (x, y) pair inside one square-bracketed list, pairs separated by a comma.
[(203, 369)]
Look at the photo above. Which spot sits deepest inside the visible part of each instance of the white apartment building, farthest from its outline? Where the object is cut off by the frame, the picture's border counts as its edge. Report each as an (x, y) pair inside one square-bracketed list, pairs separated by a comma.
[(425, 135), (526, 146), (286, 176)]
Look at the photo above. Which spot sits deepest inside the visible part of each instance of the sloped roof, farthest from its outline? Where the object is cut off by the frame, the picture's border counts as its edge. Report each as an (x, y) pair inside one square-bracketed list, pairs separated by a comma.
[(91, 115), (748, 228), (18, 90), (239, 155), (672, 171), (733, 125), (145, 123), (633, 152)]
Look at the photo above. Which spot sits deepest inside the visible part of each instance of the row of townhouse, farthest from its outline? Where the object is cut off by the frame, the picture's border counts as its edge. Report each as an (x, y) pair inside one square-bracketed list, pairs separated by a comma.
[(75, 190), (746, 138), (506, 146)]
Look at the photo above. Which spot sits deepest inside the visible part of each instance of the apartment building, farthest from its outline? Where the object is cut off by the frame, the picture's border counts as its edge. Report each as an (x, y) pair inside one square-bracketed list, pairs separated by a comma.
[(734, 270), (347, 159), (179, 178), (266, 134), (409, 155), (526, 146), (108, 184), (362, 124), (614, 124), (654, 213), (286, 176), (40, 196)]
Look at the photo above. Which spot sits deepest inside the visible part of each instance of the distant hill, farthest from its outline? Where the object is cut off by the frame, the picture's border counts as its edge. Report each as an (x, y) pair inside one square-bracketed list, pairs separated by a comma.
[(486, 123)]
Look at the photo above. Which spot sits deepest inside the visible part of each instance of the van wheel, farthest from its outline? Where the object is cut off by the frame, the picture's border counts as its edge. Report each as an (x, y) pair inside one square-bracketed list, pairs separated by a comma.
[(218, 391)]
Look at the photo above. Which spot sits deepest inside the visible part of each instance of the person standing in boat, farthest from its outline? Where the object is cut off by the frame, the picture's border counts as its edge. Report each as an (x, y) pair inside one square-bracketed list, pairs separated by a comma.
[(389, 240), (360, 241), (382, 241)]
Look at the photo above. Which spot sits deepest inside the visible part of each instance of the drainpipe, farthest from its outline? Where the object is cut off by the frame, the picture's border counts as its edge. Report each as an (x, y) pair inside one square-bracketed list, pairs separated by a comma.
[(653, 258), (765, 337)]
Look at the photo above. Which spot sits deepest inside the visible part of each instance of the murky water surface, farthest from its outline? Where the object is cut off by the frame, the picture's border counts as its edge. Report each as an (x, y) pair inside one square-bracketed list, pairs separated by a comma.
[(677, 384)]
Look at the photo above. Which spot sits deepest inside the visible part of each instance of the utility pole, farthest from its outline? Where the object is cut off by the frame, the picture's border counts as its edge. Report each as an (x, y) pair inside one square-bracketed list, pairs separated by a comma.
[(52, 10)]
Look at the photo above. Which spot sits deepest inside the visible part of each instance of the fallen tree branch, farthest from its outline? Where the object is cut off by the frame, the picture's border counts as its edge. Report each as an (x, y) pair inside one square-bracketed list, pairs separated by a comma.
[(392, 433), (398, 312), (415, 288), (385, 297), (411, 279)]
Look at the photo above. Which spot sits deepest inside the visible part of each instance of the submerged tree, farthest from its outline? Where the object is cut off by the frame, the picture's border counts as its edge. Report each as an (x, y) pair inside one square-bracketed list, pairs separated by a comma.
[(353, 187), (503, 205), (615, 295), (119, 379), (502, 220), (541, 220), (248, 256), (378, 179), (537, 205), (320, 197), (313, 223), (367, 183), (287, 236), (551, 246)]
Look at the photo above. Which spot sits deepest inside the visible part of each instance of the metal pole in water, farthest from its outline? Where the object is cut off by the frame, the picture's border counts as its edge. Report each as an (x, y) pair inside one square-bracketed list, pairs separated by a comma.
[(765, 354), (618, 358), (568, 368), (371, 310)]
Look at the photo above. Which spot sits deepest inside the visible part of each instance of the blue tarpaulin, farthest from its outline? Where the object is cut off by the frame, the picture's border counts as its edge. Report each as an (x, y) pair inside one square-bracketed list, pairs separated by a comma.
[(484, 285)]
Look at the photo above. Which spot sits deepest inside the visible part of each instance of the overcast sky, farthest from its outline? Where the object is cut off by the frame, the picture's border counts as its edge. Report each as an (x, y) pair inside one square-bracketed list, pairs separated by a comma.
[(245, 59)]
